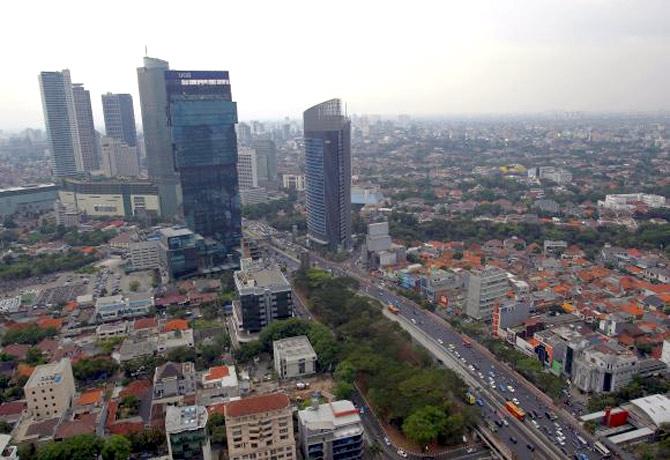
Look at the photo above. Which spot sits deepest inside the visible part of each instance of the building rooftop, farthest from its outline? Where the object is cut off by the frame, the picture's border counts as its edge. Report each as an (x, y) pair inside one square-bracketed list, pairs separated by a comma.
[(656, 407), (330, 416), (185, 418), (297, 346), (49, 373), (170, 232), (257, 404)]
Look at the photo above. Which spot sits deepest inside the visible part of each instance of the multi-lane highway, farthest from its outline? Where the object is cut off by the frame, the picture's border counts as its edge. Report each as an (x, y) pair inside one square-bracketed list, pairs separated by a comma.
[(546, 432)]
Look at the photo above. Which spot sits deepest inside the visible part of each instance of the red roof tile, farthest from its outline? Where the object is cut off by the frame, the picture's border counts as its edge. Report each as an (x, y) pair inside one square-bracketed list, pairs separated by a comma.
[(257, 404)]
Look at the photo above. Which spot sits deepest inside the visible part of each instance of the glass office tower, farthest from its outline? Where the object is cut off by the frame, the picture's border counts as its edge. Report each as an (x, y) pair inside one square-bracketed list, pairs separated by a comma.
[(202, 118), (119, 118), (328, 174)]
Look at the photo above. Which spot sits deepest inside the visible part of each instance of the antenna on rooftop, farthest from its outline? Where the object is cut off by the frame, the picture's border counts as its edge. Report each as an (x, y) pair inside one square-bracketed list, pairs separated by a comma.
[(145, 51)]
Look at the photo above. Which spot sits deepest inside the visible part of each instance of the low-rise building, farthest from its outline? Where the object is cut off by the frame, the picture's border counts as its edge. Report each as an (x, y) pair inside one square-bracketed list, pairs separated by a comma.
[(50, 389), (115, 307), (108, 331), (219, 383), (174, 380), (186, 432), (604, 368), (175, 339), (294, 357), (331, 431), (260, 427)]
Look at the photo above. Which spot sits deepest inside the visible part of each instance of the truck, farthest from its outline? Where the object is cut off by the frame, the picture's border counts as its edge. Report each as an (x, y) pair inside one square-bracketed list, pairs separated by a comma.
[(515, 410), (393, 309)]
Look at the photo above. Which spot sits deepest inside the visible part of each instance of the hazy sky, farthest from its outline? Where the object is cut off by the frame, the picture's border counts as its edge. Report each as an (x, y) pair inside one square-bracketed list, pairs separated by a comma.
[(381, 56)]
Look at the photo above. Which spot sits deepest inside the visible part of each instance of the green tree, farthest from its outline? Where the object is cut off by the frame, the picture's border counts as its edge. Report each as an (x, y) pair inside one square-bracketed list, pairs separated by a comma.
[(216, 424), (134, 285), (425, 425), (116, 447), (82, 447)]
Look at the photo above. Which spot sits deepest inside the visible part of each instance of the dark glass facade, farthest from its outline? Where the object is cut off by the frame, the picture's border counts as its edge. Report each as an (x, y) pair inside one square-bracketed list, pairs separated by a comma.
[(328, 174), (120, 117), (202, 118)]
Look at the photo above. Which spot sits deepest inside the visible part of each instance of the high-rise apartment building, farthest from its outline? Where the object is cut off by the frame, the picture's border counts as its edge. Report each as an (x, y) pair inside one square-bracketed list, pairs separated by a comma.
[(118, 158), (60, 120), (486, 289), (157, 141), (328, 174), (119, 118), (186, 431), (88, 142), (201, 119), (260, 427), (50, 389)]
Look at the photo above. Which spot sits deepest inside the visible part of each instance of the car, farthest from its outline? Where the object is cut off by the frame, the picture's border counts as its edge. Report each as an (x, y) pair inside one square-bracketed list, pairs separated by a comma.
[(499, 423), (480, 403), (493, 385), (440, 341), (510, 388), (471, 367), (535, 424), (513, 439), (469, 450), (413, 320), (505, 422), (516, 401), (387, 441), (530, 447), (402, 453), (502, 387)]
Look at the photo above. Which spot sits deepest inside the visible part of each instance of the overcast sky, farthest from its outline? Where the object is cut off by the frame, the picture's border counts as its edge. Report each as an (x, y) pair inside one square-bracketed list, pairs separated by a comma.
[(381, 56)]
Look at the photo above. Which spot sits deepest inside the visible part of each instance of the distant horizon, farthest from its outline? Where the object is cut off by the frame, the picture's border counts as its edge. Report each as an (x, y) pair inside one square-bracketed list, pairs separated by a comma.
[(552, 115)]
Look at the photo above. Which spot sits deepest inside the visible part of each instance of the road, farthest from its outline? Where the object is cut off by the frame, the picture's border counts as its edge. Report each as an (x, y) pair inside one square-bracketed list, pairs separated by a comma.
[(503, 379), (538, 436)]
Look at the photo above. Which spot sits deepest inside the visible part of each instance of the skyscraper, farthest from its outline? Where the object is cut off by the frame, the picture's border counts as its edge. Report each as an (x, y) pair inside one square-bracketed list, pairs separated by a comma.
[(60, 121), (157, 142), (119, 117), (88, 142), (266, 159), (202, 118), (328, 174)]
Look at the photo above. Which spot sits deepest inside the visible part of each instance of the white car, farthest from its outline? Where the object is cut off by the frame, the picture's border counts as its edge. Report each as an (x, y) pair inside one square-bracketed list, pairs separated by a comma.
[(440, 341), (471, 367), (387, 441), (516, 401), (510, 388), (505, 422), (402, 453)]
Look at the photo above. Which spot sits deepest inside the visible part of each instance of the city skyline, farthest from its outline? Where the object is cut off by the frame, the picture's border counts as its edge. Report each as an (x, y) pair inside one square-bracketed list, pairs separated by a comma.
[(480, 58)]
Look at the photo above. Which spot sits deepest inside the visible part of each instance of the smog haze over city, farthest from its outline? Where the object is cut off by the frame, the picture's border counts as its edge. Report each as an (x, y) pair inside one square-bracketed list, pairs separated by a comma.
[(432, 58), (350, 230)]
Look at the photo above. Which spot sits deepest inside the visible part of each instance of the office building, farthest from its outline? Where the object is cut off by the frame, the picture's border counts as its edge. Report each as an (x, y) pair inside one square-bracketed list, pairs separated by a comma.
[(50, 389), (30, 199), (294, 182), (247, 171), (486, 289), (157, 141), (144, 255), (110, 198), (119, 117), (331, 431), (119, 159), (294, 357), (604, 368), (253, 196), (328, 174), (88, 137), (378, 238), (264, 296), (266, 158), (60, 120), (202, 118), (244, 133), (185, 253), (110, 308), (260, 427), (186, 432)]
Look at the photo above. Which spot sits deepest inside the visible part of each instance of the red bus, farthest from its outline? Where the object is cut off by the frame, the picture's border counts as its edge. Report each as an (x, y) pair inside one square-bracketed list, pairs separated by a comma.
[(515, 410), (393, 309)]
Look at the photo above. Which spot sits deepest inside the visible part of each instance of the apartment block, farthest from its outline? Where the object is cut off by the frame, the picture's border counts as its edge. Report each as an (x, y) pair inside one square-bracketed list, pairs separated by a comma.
[(486, 289), (260, 427), (186, 431), (331, 431), (50, 389)]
